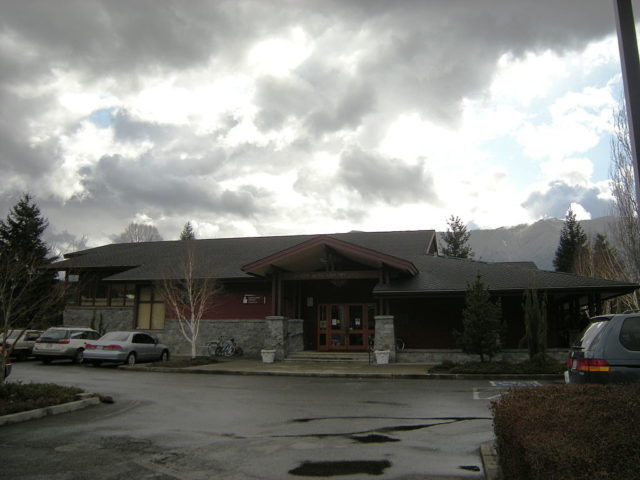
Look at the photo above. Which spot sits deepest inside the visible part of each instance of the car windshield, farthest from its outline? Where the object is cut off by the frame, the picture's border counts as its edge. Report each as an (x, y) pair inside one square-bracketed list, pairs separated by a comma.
[(55, 334), (592, 334), (115, 337)]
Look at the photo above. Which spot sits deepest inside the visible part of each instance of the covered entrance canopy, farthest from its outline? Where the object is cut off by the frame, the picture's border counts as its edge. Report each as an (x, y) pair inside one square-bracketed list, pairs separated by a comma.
[(329, 282)]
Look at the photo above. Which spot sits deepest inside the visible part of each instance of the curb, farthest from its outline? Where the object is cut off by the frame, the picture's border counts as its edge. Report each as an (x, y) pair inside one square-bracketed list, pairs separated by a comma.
[(48, 411), (489, 457), (409, 376)]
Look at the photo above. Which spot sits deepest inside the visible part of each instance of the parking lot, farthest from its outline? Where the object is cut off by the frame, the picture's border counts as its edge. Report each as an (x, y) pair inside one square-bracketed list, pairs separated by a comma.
[(185, 426)]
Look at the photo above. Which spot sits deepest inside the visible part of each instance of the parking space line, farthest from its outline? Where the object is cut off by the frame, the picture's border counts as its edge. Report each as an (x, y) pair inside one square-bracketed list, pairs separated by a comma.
[(498, 387)]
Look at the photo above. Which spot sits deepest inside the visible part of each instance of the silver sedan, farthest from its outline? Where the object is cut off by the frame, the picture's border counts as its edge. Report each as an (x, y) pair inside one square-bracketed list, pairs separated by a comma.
[(125, 347)]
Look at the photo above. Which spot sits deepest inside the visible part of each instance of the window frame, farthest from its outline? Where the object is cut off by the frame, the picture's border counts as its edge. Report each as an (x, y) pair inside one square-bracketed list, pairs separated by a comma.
[(155, 300)]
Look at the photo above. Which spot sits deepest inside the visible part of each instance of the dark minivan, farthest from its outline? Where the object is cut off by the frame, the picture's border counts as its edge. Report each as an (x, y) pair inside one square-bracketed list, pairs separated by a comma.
[(608, 351)]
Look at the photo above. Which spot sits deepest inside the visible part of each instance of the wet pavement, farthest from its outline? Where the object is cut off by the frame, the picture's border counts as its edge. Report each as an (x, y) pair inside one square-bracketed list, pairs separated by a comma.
[(192, 427)]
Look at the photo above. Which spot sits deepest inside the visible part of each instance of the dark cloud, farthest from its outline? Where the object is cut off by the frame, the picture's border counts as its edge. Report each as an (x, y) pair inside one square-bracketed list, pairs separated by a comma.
[(132, 185), (127, 128), (280, 99), (385, 179), (344, 109), (336, 103), (557, 200), (369, 59)]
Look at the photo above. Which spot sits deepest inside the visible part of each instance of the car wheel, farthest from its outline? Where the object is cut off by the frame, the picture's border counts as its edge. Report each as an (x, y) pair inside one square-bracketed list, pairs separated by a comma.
[(96, 363), (164, 356), (46, 361), (131, 359), (22, 356), (79, 356)]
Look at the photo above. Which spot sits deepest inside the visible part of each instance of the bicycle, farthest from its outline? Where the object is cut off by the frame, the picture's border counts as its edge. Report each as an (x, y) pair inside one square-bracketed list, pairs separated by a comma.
[(224, 348)]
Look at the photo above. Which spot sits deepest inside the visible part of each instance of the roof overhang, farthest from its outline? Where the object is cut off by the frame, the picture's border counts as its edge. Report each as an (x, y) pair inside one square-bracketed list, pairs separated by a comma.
[(606, 292), (311, 256)]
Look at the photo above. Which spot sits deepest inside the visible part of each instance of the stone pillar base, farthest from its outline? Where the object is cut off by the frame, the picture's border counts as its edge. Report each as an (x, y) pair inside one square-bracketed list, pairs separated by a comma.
[(385, 338), (276, 336)]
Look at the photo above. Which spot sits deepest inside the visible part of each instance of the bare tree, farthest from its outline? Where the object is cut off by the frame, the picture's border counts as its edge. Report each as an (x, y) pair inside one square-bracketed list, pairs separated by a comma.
[(626, 226), (189, 294), (598, 259), (70, 244), (19, 308), (138, 232)]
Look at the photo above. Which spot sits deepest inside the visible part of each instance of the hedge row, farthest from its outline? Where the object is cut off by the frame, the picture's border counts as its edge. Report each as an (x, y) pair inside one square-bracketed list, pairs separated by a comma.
[(569, 432), (541, 364), (18, 397)]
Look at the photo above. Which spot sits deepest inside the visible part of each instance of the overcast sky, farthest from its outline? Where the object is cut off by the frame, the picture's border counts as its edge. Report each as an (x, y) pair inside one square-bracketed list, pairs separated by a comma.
[(259, 117)]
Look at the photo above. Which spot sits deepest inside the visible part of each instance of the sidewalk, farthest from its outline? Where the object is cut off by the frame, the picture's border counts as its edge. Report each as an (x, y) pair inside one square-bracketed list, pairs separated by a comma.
[(329, 369)]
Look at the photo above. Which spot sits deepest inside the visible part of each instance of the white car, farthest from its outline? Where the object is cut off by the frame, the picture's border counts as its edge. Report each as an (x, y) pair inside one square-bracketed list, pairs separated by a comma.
[(20, 342), (63, 342), (125, 347)]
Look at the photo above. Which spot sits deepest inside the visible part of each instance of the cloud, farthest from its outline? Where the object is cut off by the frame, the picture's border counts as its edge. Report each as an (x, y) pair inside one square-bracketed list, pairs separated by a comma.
[(389, 180), (132, 185), (218, 111), (556, 199)]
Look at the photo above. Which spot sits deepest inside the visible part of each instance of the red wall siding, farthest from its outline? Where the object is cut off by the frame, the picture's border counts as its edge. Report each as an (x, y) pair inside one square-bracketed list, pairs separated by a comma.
[(228, 305)]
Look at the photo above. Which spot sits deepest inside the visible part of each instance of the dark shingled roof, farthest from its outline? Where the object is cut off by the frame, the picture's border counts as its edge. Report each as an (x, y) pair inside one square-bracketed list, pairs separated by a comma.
[(225, 257)]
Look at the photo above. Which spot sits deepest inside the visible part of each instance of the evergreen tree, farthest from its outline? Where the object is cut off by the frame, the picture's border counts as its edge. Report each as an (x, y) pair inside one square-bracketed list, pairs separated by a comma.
[(481, 322), (21, 233), (456, 239), (535, 321), (28, 293), (572, 242), (187, 232)]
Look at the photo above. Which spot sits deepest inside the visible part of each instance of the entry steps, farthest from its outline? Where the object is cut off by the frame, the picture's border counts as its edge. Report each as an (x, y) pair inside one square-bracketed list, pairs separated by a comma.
[(318, 357)]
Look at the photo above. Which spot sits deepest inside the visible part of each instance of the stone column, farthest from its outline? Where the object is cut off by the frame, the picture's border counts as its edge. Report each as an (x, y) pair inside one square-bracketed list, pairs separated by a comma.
[(296, 339), (276, 335), (385, 338)]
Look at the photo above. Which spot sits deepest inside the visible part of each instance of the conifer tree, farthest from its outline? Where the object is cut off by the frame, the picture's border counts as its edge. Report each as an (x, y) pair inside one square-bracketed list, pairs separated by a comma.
[(187, 232), (572, 242), (535, 320), (456, 239), (29, 294), (481, 322)]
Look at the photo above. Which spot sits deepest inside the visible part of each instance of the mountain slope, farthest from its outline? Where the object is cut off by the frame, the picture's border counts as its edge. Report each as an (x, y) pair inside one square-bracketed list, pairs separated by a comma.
[(536, 242)]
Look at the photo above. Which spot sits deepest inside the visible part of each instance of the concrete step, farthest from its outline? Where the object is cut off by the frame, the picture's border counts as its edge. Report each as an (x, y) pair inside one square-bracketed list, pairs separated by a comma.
[(312, 356)]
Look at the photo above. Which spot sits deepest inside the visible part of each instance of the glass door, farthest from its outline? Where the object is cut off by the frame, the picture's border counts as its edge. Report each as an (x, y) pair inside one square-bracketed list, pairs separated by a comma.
[(344, 326)]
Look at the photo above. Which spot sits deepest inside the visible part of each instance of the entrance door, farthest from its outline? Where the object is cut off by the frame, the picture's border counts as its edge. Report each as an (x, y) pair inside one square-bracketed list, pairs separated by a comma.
[(345, 326)]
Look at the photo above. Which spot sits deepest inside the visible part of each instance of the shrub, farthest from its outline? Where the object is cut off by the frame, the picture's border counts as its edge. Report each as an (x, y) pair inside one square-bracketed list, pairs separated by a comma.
[(541, 364), (570, 431), (18, 397)]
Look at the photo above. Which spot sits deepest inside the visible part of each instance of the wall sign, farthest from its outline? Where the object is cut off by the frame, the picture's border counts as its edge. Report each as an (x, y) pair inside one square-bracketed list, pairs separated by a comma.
[(252, 299)]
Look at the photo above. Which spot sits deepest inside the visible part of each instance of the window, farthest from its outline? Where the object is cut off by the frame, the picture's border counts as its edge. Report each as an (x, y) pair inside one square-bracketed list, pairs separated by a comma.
[(150, 308), (116, 336), (93, 292), (122, 295), (630, 334), (142, 338)]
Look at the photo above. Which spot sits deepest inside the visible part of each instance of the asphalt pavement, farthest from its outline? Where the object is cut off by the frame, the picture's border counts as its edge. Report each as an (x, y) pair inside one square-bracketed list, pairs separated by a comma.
[(172, 426)]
